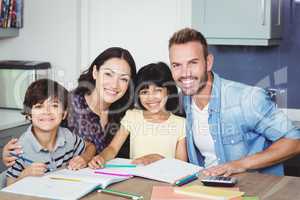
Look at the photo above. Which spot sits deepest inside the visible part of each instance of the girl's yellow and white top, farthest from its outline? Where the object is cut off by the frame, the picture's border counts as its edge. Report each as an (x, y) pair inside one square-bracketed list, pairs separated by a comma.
[(149, 137)]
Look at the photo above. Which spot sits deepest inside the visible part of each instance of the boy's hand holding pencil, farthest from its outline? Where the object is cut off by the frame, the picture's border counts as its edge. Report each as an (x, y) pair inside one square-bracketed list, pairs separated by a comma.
[(35, 169)]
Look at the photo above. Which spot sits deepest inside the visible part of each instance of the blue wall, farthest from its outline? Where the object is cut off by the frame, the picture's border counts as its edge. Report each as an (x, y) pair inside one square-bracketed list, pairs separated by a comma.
[(274, 66)]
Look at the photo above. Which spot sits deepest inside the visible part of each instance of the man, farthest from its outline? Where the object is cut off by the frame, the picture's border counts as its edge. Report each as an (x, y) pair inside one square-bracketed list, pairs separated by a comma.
[(231, 127)]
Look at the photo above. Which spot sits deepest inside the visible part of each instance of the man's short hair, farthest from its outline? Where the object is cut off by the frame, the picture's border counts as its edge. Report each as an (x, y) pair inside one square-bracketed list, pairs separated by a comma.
[(189, 35)]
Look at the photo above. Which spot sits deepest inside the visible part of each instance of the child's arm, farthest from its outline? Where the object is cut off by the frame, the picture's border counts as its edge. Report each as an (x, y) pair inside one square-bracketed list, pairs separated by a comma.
[(147, 159), (90, 151), (111, 150), (81, 161), (35, 169), (181, 152)]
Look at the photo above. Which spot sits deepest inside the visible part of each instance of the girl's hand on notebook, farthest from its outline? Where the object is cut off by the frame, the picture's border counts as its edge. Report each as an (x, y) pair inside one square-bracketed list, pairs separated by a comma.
[(35, 169), (77, 163), (147, 159), (97, 162), (12, 145)]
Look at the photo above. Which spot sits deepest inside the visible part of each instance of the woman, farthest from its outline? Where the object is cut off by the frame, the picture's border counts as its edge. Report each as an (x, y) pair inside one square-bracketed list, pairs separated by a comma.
[(99, 102)]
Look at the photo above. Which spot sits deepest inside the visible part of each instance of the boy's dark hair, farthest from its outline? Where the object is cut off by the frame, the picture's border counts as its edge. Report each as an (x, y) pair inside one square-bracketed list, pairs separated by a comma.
[(41, 90), (189, 35), (160, 75)]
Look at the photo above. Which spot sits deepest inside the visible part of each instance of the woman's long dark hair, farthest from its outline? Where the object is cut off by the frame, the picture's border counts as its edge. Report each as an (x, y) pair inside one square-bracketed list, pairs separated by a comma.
[(86, 82)]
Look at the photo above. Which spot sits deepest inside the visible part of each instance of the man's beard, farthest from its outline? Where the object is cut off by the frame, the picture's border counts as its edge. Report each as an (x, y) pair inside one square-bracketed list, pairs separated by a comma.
[(202, 82), (201, 85)]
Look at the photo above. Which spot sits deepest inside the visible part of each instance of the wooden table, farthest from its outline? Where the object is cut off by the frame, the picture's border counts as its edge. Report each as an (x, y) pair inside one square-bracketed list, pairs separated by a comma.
[(254, 184)]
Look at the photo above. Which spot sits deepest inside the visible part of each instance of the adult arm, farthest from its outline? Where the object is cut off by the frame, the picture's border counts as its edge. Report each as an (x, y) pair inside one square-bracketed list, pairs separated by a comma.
[(12, 145), (111, 150), (81, 161), (261, 114), (90, 151), (181, 151), (279, 151)]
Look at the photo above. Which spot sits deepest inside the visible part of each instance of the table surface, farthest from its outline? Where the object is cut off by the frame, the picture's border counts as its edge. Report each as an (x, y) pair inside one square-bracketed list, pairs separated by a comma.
[(264, 186)]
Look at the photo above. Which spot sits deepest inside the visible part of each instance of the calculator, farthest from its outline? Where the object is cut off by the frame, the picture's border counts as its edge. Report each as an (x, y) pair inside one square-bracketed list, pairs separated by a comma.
[(220, 181)]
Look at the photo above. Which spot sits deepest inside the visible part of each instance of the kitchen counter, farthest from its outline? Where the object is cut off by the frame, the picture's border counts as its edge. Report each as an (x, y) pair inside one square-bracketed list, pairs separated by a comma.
[(11, 118)]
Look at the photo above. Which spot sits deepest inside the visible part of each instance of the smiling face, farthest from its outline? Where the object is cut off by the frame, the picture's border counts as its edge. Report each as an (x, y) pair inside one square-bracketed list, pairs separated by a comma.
[(112, 80), (154, 98), (47, 116), (189, 66)]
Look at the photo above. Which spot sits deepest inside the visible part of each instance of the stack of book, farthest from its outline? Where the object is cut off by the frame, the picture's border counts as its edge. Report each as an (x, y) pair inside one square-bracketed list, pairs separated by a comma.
[(11, 13)]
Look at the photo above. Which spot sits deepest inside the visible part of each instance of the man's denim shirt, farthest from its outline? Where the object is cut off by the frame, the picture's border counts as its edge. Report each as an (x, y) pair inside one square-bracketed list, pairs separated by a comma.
[(243, 120)]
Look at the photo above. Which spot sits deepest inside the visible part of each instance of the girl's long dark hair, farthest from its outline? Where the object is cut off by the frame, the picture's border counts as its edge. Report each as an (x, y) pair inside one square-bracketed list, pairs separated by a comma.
[(86, 82)]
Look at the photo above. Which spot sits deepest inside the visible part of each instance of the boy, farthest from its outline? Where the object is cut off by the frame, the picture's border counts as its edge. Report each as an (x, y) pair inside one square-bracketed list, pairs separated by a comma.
[(46, 145)]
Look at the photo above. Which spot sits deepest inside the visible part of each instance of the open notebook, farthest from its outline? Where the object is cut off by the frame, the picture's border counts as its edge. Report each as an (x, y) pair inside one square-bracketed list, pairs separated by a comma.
[(166, 170), (63, 184), (68, 184)]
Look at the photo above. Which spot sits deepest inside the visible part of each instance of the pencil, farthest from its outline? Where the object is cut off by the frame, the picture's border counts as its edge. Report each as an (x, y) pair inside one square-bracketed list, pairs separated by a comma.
[(119, 166), (121, 194), (65, 179), (20, 157), (187, 179)]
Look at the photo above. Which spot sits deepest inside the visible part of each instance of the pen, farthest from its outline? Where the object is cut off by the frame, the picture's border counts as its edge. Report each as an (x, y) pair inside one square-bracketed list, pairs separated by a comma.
[(65, 179), (20, 157), (121, 194), (25, 159), (187, 179), (113, 174), (119, 166)]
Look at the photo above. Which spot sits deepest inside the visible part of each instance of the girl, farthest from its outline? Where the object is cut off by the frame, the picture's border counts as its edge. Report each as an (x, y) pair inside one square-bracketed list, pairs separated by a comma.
[(154, 131)]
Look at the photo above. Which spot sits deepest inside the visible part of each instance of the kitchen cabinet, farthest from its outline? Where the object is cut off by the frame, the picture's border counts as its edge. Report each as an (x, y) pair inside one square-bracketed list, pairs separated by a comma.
[(238, 22)]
